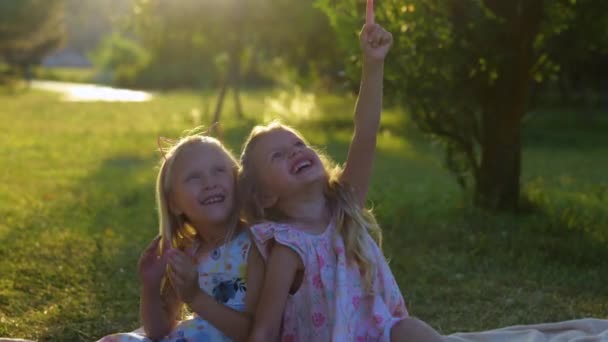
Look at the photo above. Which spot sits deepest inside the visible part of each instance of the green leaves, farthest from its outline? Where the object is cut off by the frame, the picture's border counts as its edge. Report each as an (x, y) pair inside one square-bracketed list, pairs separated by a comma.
[(30, 29)]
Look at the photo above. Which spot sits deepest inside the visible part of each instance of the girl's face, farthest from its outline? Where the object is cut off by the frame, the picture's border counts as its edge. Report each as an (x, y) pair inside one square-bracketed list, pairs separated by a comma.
[(203, 184), (285, 164)]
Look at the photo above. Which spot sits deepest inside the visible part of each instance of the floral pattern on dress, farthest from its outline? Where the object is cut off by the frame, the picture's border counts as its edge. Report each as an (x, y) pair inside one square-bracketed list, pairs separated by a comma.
[(332, 303), (223, 276)]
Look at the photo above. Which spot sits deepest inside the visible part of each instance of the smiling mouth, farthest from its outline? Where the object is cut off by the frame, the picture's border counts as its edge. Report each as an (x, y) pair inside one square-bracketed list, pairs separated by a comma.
[(301, 166), (213, 199)]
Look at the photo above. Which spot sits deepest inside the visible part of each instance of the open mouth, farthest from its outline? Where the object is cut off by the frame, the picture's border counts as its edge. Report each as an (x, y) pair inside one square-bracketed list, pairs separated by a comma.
[(301, 166), (213, 199)]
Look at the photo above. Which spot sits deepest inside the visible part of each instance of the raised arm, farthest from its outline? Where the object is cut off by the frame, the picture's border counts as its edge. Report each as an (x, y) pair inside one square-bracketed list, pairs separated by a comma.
[(375, 43)]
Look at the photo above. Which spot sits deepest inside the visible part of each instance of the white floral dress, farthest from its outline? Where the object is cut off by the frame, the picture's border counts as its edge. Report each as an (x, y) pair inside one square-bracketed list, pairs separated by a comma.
[(223, 276)]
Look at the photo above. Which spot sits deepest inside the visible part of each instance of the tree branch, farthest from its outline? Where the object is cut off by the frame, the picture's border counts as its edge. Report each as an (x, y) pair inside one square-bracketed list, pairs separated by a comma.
[(466, 146)]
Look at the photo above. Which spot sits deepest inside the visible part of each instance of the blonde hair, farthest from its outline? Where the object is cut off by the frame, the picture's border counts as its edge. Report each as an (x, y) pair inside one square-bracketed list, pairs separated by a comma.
[(173, 228), (352, 221)]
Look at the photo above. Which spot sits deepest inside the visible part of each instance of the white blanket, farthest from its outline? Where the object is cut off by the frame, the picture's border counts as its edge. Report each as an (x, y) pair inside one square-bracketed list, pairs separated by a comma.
[(580, 330)]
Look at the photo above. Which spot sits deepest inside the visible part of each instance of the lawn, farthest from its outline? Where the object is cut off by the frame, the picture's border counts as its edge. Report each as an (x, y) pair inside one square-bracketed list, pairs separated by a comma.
[(77, 207), (74, 75)]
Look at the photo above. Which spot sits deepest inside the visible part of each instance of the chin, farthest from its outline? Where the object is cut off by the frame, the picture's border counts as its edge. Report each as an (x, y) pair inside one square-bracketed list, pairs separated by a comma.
[(313, 182), (221, 218), (319, 177), (216, 217)]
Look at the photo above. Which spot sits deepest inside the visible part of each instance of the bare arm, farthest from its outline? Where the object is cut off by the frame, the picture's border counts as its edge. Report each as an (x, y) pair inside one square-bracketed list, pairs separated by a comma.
[(255, 279), (158, 312), (375, 43), (234, 324), (281, 270)]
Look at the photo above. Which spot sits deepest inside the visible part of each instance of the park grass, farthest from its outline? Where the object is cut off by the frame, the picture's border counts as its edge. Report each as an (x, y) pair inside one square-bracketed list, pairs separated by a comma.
[(66, 74), (77, 207)]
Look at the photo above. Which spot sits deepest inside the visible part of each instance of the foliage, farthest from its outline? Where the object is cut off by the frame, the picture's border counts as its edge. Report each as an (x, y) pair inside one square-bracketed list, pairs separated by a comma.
[(121, 57), (199, 42), (29, 30), (464, 68)]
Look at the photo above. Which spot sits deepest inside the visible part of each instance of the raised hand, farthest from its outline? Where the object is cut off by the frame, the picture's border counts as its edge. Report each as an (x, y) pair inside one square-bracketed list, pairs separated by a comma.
[(375, 42), (184, 275), (152, 264), (369, 12)]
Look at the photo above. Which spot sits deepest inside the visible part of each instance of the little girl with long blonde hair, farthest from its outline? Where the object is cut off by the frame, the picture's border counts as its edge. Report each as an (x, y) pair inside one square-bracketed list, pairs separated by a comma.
[(326, 278), (202, 256)]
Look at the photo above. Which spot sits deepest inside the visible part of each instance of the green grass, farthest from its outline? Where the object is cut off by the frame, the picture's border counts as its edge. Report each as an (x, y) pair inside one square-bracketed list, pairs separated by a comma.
[(74, 75), (77, 207)]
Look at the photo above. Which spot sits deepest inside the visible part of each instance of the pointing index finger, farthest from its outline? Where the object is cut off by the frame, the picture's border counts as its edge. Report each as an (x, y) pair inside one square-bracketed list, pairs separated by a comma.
[(369, 12)]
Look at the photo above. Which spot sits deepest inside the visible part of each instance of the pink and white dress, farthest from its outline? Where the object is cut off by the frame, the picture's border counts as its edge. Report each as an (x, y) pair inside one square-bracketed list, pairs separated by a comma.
[(331, 303)]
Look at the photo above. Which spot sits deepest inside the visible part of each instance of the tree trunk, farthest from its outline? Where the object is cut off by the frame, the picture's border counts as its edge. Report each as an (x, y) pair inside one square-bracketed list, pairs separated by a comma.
[(220, 102), (497, 187), (235, 58), (232, 79), (235, 80), (233, 72), (238, 107), (499, 174)]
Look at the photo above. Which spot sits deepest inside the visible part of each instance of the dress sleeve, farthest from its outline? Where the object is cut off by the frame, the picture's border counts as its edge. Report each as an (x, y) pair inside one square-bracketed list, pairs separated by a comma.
[(266, 234), (386, 285)]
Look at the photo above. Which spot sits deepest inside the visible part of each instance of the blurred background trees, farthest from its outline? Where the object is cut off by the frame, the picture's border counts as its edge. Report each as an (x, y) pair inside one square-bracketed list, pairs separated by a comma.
[(29, 30), (468, 71)]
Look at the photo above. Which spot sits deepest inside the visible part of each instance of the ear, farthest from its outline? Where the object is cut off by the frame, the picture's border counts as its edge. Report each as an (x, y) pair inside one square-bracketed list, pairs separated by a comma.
[(266, 200)]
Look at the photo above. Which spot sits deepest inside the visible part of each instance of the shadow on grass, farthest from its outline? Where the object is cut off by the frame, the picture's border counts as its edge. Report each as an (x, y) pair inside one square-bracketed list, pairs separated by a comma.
[(74, 266), (559, 129)]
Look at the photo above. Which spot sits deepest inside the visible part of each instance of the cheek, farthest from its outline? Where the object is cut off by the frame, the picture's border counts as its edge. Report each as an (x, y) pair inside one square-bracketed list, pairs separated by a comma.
[(277, 174), (229, 184), (281, 168), (316, 157), (179, 203), (185, 195), (190, 190)]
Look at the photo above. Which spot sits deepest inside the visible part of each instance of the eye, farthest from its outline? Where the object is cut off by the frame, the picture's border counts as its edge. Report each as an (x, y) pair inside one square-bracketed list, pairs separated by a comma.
[(300, 143), (193, 177), (276, 155), (220, 169)]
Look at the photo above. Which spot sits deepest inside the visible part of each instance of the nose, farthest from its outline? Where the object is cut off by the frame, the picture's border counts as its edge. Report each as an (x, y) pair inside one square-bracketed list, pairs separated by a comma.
[(208, 182), (295, 150), (209, 186)]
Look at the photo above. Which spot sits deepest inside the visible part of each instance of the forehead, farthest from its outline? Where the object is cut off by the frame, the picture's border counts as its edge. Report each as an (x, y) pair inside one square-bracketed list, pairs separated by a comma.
[(275, 138), (200, 154)]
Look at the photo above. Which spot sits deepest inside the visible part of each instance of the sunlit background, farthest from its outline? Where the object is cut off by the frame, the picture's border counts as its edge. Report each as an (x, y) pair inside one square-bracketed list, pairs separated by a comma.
[(491, 181)]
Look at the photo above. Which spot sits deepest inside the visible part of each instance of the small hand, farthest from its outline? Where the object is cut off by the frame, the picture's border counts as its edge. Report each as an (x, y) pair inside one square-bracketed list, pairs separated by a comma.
[(184, 275), (152, 265), (375, 42)]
